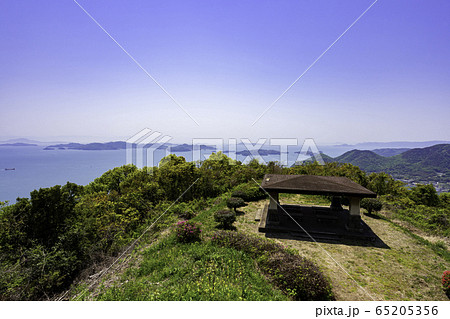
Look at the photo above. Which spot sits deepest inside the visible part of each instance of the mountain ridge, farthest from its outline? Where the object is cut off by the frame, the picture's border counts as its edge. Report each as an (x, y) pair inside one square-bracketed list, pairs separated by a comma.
[(431, 163)]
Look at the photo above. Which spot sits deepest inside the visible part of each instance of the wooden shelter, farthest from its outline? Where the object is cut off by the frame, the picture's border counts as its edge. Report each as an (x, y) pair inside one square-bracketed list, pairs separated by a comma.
[(329, 220)]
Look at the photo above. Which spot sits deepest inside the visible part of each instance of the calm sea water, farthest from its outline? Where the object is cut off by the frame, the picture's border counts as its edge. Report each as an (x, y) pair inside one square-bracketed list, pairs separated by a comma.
[(36, 168)]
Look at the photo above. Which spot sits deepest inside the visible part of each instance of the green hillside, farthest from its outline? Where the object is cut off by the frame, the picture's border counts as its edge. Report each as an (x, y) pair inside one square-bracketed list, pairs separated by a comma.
[(431, 163), (386, 152), (423, 161), (366, 160)]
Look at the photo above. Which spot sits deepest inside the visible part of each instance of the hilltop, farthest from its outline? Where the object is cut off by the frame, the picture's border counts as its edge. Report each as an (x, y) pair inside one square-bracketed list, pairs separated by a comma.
[(366, 160)]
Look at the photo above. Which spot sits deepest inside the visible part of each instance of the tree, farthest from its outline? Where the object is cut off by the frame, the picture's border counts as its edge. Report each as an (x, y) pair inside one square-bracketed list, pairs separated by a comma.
[(382, 184), (371, 204), (175, 177), (235, 202), (49, 213), (424, 195), (111, 180)]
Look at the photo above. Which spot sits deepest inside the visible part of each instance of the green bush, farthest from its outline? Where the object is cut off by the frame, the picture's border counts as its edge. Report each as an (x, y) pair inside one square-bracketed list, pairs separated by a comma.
[(444, 199), (183, 211), (252, 245), (249, 192), (371, 204), (187, 214), (294, 275), (188, 231), (297, 276), (225, 218), (235, 203), (239, 194)]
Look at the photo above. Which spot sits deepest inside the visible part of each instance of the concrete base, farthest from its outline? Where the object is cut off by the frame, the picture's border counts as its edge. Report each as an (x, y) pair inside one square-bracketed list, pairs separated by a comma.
[(272, 216), (320, 223), (354, 224)]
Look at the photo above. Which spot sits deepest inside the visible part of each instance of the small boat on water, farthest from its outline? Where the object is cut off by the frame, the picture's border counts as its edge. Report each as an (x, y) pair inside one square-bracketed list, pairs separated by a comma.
[(10, 169)]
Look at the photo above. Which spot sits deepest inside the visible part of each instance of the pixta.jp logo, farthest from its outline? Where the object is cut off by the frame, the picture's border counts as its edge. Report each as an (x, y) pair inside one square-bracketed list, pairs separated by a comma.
[(147, 147)]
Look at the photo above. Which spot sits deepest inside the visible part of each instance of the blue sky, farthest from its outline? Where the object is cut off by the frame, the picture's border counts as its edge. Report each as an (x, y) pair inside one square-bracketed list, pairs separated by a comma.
[(225, 62)]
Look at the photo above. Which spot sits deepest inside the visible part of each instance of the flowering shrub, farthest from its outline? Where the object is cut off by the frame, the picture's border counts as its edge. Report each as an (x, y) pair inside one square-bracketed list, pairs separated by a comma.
[(188, 231), (446, 281), (225, 218)]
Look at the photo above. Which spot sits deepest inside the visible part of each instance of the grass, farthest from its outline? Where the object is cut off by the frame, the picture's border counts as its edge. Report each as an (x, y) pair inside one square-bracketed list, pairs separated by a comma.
[(432, 220), (197, 271), (439, 246), (304, 199), (170, 270)]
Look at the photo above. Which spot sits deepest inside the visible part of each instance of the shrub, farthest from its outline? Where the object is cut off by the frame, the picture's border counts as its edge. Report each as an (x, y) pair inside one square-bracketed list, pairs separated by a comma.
[(235, 203), (239, 194), (251, 245), (186, 214), (188, 231), (446, 281), (371, 204), (183, 210), (295, 275), (225, 218)]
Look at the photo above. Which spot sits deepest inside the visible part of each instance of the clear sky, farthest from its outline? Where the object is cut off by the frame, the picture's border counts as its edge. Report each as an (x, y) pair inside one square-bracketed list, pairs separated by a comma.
[(225, 62)]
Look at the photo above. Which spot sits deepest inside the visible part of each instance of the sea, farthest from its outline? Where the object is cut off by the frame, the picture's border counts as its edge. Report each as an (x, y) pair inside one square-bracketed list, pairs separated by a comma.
[(32, 167)]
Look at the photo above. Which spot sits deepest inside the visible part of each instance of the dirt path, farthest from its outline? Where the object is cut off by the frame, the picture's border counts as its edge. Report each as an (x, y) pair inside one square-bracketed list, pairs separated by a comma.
[(407, 270)]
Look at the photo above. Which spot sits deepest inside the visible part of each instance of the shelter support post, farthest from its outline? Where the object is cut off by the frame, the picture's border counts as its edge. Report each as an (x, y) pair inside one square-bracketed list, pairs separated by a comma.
[(336, 203), (273, 208), (354, 222)]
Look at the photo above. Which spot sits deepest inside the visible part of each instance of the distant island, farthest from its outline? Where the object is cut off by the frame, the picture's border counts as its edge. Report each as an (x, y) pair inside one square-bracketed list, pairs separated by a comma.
[(261, 152), (118, 145), (188, 148), (18, 144)]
